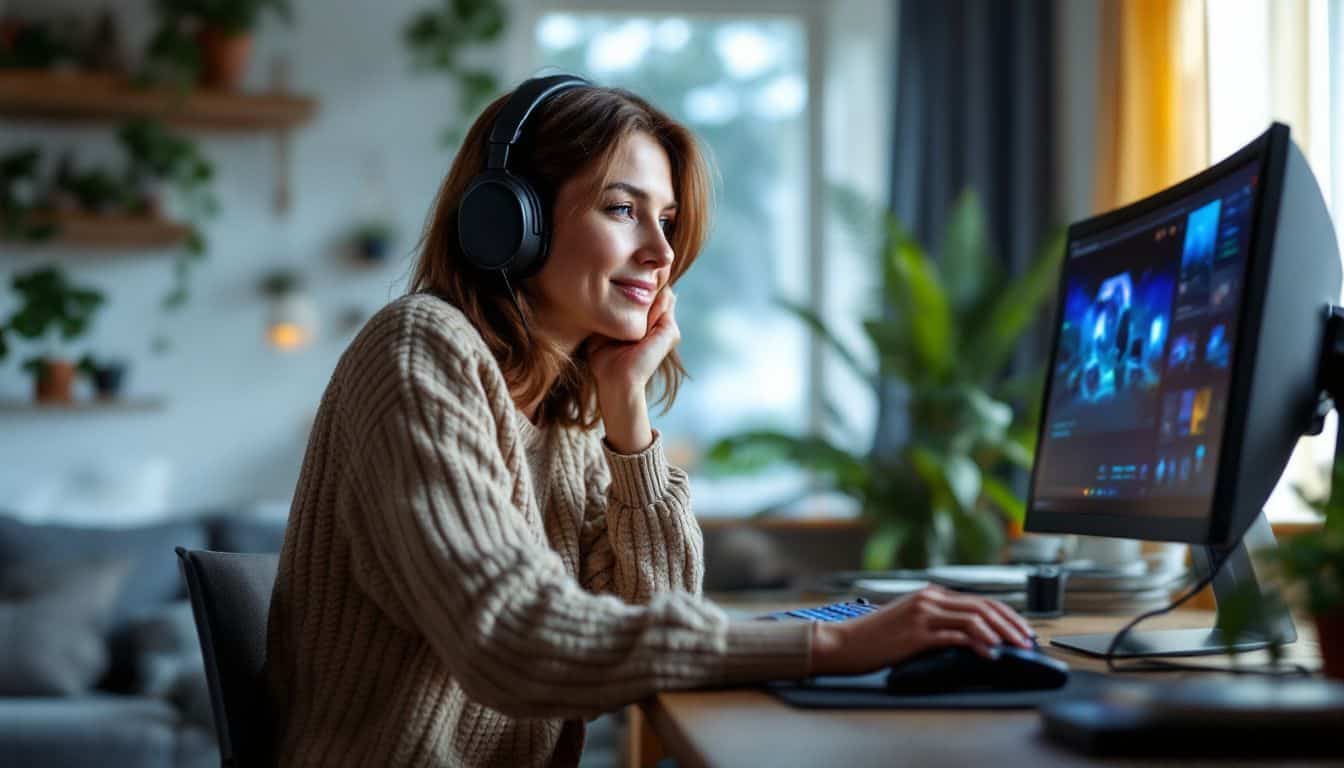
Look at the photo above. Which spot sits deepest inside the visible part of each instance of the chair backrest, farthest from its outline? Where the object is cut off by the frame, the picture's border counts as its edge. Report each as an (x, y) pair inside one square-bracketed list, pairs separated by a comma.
[(230, 599)]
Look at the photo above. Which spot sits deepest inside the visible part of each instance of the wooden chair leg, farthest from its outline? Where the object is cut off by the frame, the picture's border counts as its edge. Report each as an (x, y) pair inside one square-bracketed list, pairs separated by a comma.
[(640, 747)]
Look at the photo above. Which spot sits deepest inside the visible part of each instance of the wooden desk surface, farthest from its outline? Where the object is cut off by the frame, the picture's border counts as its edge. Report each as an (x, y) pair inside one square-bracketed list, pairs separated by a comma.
[(751, 728)]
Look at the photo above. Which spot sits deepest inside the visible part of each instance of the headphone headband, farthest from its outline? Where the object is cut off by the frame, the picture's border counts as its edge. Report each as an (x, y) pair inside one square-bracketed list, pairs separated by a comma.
[(508, 127), (501, 220)]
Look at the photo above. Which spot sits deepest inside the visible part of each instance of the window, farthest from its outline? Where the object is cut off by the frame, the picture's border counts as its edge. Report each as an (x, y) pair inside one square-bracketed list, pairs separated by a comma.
[(746, 81), (1273, 60)]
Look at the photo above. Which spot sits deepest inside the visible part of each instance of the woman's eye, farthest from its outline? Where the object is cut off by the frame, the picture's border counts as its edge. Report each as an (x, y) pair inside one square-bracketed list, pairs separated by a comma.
[(667, 225), (625, 209)]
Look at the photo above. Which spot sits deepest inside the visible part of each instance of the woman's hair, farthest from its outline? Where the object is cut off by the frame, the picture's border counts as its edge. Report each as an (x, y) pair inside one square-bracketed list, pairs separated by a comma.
[(568, 135)]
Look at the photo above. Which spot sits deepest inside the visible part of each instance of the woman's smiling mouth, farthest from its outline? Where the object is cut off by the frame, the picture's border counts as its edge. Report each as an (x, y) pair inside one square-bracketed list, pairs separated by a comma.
[(637, 291)]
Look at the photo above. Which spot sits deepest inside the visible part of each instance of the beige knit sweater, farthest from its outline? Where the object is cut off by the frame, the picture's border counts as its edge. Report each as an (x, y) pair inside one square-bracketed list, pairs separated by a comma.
[(459, 587)]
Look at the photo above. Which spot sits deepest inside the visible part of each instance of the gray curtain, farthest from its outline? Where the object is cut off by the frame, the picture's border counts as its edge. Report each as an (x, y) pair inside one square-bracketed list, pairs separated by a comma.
[(974, 107)]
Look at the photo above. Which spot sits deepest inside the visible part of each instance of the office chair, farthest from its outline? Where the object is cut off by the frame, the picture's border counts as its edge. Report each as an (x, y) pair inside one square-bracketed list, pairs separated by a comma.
[(230, 598)]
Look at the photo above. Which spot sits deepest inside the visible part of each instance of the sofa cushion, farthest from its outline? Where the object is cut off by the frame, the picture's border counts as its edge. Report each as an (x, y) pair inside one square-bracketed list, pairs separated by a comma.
[(154, 578), (169, 664), (54, 640), (100, 730)]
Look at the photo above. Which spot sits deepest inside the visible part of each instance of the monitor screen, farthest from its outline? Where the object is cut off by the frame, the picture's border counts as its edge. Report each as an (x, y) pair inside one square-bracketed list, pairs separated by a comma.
[(1141, 370)]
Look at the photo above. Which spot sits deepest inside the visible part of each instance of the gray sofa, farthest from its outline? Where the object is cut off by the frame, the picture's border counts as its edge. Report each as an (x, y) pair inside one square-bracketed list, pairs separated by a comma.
[(101, 664)]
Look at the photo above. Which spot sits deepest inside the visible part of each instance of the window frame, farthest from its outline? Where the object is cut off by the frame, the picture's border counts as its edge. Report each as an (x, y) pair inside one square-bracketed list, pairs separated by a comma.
[(812, 16)]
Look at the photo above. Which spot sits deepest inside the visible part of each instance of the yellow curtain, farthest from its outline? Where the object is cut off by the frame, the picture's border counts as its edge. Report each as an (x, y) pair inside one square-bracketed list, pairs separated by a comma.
[(1153, 105)]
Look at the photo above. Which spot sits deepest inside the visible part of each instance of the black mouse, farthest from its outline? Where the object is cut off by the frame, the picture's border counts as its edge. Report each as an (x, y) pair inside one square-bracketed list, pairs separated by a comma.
[(958, 669)]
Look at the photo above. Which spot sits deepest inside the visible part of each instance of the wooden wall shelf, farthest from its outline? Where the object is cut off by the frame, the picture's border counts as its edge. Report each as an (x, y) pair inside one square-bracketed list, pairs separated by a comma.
[(126, 405), (79, 96), (112, 232)]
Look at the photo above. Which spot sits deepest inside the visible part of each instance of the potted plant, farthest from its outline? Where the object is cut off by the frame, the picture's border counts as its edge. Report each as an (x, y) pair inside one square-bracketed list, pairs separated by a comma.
[(942, 345), (106, 374), (157, 158), (1311, 565), (96, 190), (19, 196), (221, 31), (38, 45), (373, 239), (51, 307)]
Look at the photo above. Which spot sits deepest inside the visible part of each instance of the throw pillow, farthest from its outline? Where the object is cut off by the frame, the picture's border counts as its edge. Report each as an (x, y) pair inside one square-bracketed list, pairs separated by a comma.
[(168, 663), (166, 648), (54, 640)]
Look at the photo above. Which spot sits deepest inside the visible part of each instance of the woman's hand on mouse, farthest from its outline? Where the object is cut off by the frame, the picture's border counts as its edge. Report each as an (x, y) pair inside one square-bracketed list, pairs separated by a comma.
[(930, 618), (622, 370)]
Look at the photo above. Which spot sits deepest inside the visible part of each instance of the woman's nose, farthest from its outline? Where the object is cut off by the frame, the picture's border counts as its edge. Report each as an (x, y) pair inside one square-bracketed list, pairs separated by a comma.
[(657, 250)]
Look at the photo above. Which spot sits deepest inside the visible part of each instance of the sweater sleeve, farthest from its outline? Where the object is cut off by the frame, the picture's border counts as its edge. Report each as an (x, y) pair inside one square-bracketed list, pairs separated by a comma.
[(436, 529), (639, 535)]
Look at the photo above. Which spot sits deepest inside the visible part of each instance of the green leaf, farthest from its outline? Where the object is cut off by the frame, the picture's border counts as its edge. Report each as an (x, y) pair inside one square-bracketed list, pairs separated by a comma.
[(992, 417), (754, 451), (979, 536), (879, 552), (963, 479), (918, 295), (966, 264), (1003, 498), (893, 348), (990, 346), (1017, 449), (940, 538), (818, 326)]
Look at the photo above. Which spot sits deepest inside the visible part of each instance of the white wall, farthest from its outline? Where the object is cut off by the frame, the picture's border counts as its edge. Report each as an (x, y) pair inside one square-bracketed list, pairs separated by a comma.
[(237, 412)]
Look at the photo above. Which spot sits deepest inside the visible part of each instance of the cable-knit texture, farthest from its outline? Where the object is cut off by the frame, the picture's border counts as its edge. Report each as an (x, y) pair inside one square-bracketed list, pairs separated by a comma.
[(459, 587)]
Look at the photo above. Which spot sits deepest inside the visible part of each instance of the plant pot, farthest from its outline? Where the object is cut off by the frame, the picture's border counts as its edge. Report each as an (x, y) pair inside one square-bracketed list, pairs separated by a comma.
[(55, 382), (372, 250), (1330, 636), (108, 379), (224, 57)]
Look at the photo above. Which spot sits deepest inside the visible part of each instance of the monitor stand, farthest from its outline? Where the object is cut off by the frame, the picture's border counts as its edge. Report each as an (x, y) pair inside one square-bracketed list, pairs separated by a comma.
[(1236, 575)]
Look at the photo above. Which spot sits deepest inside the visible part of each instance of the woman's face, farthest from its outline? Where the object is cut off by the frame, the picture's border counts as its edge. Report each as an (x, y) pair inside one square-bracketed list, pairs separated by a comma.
[(609, 258)]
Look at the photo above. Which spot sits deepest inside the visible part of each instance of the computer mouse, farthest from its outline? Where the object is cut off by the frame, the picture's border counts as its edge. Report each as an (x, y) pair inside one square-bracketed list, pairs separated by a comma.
[(958, 669)]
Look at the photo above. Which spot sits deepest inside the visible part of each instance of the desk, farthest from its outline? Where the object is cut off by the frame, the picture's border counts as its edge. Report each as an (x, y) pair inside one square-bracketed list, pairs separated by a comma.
[(750, 728)]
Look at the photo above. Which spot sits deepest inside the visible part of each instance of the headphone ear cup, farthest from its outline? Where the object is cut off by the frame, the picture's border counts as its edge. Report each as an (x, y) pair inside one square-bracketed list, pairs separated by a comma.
[(497, 222), (537, 239)]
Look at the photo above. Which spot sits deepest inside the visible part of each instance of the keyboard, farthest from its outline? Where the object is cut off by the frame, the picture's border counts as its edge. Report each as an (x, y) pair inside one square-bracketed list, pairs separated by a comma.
[(833, 612)]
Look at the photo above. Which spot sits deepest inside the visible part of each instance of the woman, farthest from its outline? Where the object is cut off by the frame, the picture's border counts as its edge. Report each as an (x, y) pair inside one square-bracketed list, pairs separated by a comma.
[(470, 569)]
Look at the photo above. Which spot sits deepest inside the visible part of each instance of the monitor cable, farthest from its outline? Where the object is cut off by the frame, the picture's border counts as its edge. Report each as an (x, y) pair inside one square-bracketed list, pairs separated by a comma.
[(1162, 665)]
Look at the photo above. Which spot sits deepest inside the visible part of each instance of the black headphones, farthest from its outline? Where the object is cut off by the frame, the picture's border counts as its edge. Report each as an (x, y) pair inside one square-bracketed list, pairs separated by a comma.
[(501, 221)]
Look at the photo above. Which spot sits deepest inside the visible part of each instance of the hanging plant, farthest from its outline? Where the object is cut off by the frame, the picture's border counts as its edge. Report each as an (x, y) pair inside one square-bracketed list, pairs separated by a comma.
[(437, 40), (159, 159)]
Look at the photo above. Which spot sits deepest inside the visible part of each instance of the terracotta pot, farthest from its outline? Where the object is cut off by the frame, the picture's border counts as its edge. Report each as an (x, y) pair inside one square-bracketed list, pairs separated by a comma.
[(1330, 636), (56, 381), (224, 57)]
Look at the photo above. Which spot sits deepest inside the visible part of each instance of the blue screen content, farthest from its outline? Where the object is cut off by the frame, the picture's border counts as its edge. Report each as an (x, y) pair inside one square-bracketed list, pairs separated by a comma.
[(1142, 365)]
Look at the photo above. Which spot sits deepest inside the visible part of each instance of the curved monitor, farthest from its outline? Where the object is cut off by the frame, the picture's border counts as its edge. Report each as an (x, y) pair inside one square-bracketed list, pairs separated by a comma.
[(1188, 331)]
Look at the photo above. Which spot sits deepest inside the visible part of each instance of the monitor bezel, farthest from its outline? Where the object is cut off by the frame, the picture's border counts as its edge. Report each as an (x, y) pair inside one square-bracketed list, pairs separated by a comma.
[(1126, 518)]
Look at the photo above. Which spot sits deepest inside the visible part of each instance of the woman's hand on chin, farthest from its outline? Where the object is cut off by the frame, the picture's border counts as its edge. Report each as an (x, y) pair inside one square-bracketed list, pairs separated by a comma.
[(622, 370)]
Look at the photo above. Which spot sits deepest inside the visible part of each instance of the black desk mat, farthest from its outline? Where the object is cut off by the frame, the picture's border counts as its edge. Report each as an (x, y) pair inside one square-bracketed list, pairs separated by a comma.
[(868, 692)]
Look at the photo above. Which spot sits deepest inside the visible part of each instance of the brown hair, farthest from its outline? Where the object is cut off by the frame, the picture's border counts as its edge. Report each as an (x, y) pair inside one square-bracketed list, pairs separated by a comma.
[(568, 135)]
